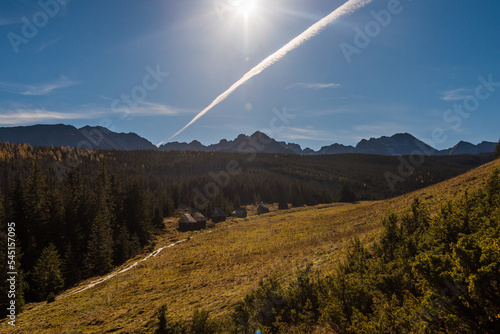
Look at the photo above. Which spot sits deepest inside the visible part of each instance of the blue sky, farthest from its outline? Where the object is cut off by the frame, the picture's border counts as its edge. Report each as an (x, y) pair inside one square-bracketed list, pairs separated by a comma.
[(425, 71)]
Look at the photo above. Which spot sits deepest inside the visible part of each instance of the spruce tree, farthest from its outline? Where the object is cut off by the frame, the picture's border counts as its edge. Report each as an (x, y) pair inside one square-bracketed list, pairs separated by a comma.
[(123, 248), (72, 270), (168, 207), (37, 214), (99, 256), (77, 220), (136, 213), (158, 219), (47, 273), (56, 224), (346, 194)]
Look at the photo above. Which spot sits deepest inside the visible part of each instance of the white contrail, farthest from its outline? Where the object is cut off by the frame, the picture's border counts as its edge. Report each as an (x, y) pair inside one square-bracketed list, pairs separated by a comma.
[(347, 8)]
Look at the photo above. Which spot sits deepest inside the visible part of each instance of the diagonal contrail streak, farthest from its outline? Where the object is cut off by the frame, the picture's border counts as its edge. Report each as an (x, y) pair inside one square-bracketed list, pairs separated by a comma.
[(347, 8)]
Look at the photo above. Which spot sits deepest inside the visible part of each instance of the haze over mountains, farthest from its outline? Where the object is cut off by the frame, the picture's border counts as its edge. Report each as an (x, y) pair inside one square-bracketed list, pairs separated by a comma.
[(105, 139)]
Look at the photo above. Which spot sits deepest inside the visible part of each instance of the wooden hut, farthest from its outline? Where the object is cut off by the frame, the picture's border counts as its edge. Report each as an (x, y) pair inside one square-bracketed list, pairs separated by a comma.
[(312, 202), (239, 213), (201, 221), (262, 209), (187, 223), (218, 215), (283, 206)]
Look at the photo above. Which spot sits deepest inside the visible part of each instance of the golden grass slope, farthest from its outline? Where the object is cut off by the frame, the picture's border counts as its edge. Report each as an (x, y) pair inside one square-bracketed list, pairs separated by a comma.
[(214, 269)]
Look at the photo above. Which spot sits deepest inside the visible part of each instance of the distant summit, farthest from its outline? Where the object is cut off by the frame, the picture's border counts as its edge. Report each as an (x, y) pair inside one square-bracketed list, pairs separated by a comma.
[(101, 138), (399, 144), (98, 138)]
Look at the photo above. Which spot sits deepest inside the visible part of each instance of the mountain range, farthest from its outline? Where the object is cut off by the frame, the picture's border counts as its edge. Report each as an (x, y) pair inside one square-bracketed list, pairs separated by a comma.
[(104, 139)]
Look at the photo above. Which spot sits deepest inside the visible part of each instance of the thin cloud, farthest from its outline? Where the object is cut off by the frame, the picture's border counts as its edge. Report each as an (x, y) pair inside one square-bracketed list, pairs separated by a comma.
[(347, 8), (350, 97), (21, 113), (36, 90), (314, 85), (384, 129), (144, 108), (28, 116), (332, 111), (455, 95), (291, 133), (45, 45)]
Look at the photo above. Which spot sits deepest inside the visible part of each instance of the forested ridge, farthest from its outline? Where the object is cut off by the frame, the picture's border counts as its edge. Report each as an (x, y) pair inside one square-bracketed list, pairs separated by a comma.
[(79, 213)]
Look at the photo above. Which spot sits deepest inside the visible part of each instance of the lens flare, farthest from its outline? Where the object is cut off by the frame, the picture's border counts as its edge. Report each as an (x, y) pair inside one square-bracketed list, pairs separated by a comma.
[(245, 7)]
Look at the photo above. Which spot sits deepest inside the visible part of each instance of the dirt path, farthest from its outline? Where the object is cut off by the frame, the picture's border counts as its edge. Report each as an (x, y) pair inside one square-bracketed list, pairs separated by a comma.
[(115, 273)]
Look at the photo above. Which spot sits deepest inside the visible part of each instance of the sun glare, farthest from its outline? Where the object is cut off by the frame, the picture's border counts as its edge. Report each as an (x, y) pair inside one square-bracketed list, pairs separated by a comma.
[(245, 7)]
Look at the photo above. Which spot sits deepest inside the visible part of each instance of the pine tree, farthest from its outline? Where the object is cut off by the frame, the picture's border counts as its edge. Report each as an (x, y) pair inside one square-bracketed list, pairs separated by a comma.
[(47, 273), (297, 196), (56, 219), (158, 219), (346, 194), (99, 248), (72, 270), (122, 246), (37, 214), (77, 223), (390, 237), (168, 207), (162, 321), (136, 214), (99, 256), (325, 196)]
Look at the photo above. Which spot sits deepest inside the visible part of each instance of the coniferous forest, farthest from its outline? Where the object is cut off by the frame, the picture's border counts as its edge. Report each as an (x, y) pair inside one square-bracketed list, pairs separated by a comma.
[(79, 213)]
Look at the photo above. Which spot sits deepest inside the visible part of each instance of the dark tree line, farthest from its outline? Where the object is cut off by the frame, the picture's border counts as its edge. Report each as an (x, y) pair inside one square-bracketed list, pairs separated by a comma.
[(73, 230)]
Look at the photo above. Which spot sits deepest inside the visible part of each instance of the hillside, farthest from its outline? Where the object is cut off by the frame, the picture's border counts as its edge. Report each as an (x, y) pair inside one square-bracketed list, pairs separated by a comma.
[(214, 269)]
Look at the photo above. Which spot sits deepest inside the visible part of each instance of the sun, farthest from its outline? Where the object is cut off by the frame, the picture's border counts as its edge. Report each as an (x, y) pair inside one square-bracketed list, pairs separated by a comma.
[(245, 7)]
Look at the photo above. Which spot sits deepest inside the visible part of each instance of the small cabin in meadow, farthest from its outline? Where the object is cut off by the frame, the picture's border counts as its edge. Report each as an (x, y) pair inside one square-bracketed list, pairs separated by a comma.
[(262, 209), (283, 206), (188, 223), (239, 213), (218, 215), (312, 201), (200, 220)]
